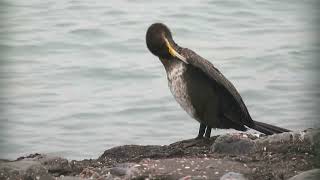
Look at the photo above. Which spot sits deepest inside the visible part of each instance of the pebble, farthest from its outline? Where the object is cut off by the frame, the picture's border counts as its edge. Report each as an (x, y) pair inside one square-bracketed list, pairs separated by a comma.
[(233, 176)]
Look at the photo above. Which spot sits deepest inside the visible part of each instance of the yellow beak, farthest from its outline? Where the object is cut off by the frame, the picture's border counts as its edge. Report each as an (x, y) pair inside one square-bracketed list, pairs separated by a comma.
[(174, 53)]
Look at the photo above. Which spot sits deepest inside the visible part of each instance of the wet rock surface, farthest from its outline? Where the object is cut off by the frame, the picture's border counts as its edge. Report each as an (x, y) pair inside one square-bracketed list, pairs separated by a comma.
[(230, 156)]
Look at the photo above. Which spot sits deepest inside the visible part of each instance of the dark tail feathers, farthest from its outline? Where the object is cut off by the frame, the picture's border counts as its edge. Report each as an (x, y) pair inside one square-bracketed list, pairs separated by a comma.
[(268, 129)]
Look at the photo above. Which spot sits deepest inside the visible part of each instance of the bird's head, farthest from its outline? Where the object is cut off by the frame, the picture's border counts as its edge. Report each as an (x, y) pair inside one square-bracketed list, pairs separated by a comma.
[(160, 43)]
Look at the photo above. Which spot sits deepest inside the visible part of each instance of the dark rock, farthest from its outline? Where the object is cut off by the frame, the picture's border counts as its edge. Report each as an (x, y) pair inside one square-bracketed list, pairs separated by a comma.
[(278, 156), (131, 153)]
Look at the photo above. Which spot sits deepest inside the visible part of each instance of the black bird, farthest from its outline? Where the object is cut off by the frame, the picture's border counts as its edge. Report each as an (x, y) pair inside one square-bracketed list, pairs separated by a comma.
[(200, 88)]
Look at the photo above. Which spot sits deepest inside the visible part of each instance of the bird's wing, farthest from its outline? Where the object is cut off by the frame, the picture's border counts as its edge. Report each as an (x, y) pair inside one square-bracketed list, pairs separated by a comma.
[(212, 72)]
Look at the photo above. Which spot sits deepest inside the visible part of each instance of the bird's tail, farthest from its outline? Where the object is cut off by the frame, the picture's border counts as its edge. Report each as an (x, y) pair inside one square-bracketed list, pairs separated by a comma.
[(268, 129)]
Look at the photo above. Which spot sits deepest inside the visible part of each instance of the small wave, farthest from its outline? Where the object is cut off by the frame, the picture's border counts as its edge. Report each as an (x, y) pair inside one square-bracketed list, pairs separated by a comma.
[(93, 32)]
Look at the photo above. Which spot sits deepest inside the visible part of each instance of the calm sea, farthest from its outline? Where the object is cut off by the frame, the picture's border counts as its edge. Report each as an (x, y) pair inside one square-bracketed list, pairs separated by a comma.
[(76, 77)]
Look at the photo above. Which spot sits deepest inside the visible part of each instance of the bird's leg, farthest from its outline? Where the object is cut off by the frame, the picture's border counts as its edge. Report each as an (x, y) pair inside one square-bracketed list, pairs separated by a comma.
[(199, 139), (208, 132), (202, 130)]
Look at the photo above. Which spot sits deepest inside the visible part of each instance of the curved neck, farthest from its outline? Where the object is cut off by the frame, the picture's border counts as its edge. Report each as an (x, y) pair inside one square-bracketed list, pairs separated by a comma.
[(170, 63)]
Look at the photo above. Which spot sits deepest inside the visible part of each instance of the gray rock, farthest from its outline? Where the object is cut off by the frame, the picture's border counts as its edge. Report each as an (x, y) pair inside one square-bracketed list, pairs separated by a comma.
[(313, 174), (55, 165), (24, 169), (233, 144), (233, 176), (244, 143), (118, 171), (125, 169), (37, 172), (290, 137), (34, 166)]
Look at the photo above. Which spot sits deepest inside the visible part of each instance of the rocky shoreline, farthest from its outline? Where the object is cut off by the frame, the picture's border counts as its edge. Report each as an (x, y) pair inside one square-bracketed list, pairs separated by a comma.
[(293, 156)]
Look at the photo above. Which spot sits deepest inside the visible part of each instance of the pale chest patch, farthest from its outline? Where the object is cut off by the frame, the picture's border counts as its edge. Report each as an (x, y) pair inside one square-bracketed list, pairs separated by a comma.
[(178, 88)]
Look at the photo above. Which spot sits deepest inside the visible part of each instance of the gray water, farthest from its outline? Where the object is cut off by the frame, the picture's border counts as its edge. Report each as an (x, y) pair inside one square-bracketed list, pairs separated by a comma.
[(76, 77)]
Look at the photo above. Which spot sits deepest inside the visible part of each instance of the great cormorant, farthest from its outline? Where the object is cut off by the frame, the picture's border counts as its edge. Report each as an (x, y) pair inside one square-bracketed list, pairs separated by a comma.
[(200, 88)]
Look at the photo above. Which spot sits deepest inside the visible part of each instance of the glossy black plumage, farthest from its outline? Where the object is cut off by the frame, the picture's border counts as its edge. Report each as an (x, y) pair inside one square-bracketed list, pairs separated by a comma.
[(200, 88)]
